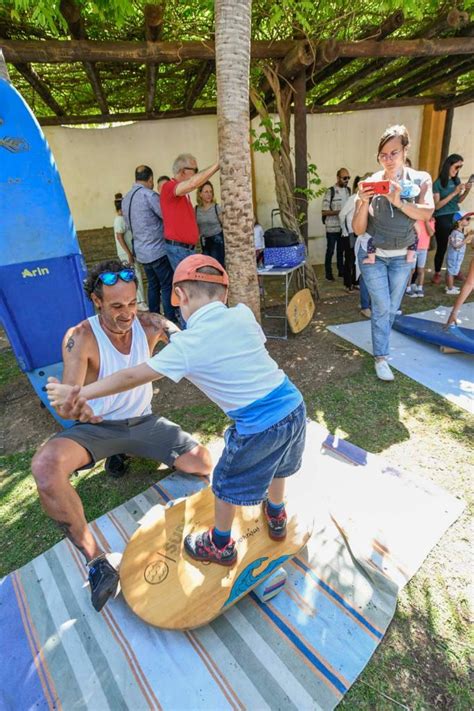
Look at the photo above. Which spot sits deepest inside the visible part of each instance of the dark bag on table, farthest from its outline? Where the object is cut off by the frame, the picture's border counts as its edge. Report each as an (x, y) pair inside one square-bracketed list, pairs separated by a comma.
[(280, 237)]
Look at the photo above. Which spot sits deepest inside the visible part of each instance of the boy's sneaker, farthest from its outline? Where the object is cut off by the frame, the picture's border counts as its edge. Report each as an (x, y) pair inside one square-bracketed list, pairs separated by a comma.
[(276, 524), (200, 546), (419, 292), (117, 465), (411, 292), (103, 580), (453, 291)]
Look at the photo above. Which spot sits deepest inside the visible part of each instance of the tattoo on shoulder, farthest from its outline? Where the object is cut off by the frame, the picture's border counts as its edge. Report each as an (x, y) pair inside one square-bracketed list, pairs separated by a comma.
[(70, 344)]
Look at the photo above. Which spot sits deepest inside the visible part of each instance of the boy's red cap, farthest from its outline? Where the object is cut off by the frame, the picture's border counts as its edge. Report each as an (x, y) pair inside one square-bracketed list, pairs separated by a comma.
[(187, 270)]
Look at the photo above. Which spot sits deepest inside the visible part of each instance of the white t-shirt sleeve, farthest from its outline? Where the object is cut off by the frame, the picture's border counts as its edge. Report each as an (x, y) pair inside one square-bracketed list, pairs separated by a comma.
[(170, 361), (259, 240), (119, 225)]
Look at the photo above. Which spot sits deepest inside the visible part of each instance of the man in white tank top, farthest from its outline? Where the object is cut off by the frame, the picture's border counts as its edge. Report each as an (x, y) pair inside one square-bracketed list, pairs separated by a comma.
[(113, 339)]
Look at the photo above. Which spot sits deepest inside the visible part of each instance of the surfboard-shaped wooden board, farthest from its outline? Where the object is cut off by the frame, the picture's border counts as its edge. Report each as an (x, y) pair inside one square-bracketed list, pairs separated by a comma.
[(41, 265), (300, 310), (168, 589)]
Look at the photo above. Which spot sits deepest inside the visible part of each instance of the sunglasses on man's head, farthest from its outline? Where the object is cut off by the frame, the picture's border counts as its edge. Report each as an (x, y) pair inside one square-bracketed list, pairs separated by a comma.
[(111, 278)]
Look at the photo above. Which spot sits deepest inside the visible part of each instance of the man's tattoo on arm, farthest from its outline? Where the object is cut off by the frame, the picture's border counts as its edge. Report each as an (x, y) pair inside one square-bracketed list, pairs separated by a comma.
[(70, 344)]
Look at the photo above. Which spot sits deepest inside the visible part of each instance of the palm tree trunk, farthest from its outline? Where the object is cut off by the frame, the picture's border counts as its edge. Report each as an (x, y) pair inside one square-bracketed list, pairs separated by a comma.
[(233, 34)]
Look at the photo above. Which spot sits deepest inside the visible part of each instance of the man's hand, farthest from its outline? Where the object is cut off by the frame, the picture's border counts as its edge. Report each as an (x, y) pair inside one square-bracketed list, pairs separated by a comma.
[(163, 328), (67, 401)]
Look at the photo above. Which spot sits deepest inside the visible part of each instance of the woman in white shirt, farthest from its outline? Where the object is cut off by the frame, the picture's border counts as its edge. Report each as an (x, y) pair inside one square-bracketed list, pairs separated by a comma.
[(389, 219), (124, 247), (345, 218)]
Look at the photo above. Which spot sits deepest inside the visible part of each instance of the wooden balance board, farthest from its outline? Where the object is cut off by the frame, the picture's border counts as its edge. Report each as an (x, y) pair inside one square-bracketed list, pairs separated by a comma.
[(168, 589), (300, 310)]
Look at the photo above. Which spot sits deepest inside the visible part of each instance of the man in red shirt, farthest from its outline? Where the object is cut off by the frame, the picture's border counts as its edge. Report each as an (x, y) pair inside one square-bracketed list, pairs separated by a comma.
[(181, 230)]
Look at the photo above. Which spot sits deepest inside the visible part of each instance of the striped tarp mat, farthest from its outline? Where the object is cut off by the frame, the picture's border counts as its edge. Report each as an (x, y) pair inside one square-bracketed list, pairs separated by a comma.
[(302, 650)]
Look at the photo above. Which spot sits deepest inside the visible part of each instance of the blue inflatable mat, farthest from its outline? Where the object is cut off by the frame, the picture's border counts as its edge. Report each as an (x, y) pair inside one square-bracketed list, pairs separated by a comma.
[(462, 339), (41, 265)]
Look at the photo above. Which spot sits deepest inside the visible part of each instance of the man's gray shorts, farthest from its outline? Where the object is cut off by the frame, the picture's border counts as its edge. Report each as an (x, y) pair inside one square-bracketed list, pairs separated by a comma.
[(148, 436)]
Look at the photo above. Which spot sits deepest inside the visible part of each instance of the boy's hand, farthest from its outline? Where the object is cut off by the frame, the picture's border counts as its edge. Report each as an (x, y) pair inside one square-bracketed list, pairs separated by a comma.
[(68, 403), (58, 392)]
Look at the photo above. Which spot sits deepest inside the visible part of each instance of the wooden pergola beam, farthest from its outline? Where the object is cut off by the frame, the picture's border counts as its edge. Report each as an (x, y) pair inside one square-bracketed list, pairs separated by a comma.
[(458, 100), (153, 15), (64, 51), (392, 23), (118, 118), (346, 106), (428, 32), (34, 80), (427, 77), (442, 77), (72, 14), (200, 80)]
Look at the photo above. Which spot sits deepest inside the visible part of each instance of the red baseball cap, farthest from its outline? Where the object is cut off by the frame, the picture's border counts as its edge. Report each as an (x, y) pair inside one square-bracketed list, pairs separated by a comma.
[(187, 270)]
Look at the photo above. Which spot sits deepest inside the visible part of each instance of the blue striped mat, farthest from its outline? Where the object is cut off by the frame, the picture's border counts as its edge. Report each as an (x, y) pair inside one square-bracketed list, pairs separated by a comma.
[(302, 650)]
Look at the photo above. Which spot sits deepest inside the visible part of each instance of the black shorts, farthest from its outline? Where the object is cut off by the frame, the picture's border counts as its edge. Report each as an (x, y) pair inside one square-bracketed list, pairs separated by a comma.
[(148, 436)]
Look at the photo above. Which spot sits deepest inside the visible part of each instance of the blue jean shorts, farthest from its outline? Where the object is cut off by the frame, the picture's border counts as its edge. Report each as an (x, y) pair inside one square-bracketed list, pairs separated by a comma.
[(249, 463)]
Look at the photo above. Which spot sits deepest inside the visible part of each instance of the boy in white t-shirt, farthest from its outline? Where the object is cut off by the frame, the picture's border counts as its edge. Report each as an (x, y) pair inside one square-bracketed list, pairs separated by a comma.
[(222, 352)]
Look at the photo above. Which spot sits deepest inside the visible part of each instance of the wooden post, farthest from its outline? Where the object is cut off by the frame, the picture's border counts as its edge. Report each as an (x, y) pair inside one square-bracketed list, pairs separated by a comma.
[(301, 150), (446, 136), (431, 139)]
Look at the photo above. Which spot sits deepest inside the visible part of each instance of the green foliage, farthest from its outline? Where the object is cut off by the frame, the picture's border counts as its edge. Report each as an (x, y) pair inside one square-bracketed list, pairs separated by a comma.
[(268, 139)]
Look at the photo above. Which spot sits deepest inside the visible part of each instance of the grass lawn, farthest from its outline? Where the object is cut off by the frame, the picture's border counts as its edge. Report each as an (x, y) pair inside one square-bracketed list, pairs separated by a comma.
[(423, 662)]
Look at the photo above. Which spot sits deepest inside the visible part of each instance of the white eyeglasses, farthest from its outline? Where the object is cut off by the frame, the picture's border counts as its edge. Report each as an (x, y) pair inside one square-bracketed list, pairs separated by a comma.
[(393, 154)]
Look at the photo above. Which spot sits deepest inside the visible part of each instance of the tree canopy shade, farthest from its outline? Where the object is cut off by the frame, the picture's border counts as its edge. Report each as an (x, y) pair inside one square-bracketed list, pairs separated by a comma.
[(87, 61)]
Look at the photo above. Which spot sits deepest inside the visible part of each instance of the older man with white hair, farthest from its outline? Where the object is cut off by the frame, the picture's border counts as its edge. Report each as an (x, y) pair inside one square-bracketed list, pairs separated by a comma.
[(181, 230)]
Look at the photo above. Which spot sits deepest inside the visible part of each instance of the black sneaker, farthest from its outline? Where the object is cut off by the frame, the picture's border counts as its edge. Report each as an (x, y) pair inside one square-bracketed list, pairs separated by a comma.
[(329, 277), (276, 524), (103, 579), (200, 546), (117, 465)]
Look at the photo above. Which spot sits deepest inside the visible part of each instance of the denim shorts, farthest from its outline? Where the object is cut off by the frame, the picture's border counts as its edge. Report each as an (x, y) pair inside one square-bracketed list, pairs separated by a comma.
[(249, 463), (421, 256), (454, 261)]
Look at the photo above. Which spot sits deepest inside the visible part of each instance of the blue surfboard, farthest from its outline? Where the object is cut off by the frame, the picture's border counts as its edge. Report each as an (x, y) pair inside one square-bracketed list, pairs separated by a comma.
[(41, 264), (462, 339)]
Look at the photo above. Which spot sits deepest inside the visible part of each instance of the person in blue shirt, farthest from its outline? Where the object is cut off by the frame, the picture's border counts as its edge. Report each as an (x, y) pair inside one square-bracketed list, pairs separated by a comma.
[(448, 193), (222, 352)]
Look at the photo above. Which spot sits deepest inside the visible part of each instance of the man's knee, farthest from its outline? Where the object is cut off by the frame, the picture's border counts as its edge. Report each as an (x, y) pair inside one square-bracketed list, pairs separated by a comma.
[(47, 466), (197, 461)]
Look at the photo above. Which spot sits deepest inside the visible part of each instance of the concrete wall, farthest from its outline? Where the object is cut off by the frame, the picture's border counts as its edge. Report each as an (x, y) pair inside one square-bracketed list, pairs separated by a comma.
[(96, 163)]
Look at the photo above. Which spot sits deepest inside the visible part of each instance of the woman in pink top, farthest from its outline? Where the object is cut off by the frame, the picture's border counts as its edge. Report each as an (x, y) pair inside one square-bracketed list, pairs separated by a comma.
[(424, 230)]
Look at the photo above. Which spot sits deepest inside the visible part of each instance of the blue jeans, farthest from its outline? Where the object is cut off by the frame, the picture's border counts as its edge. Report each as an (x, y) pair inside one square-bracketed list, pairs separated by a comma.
[(249, 463), (176, 254), (214, 247), (386, 281), (363, 294), (160, 278)]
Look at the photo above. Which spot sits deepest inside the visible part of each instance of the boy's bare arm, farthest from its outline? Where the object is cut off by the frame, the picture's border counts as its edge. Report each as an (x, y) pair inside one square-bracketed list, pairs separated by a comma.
[(119, 382)]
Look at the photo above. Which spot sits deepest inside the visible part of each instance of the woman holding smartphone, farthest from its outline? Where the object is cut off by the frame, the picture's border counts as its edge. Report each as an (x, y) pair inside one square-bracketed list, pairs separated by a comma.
[(448, 193), (385, 214)]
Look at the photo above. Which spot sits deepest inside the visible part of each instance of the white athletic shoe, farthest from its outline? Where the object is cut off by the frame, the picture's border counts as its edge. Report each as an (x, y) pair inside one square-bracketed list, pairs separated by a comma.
[(419, 292), (453, 291), (383, 371)]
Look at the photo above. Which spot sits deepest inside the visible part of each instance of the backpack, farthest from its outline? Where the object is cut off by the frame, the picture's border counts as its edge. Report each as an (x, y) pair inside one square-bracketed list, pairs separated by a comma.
[(333, 192)]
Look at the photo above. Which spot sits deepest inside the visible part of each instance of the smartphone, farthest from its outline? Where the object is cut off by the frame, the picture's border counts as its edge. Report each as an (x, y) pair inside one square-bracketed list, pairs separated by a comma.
[(380, 187), (471, 178)]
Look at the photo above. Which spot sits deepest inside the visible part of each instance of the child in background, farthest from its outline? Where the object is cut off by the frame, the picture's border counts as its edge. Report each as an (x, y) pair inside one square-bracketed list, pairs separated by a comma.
[(424, 230), (222, 352), (457, 241)]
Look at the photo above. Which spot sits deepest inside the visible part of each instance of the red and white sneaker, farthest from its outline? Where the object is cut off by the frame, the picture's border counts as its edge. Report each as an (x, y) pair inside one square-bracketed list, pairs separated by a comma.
[(200, 546), (276, 524)]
